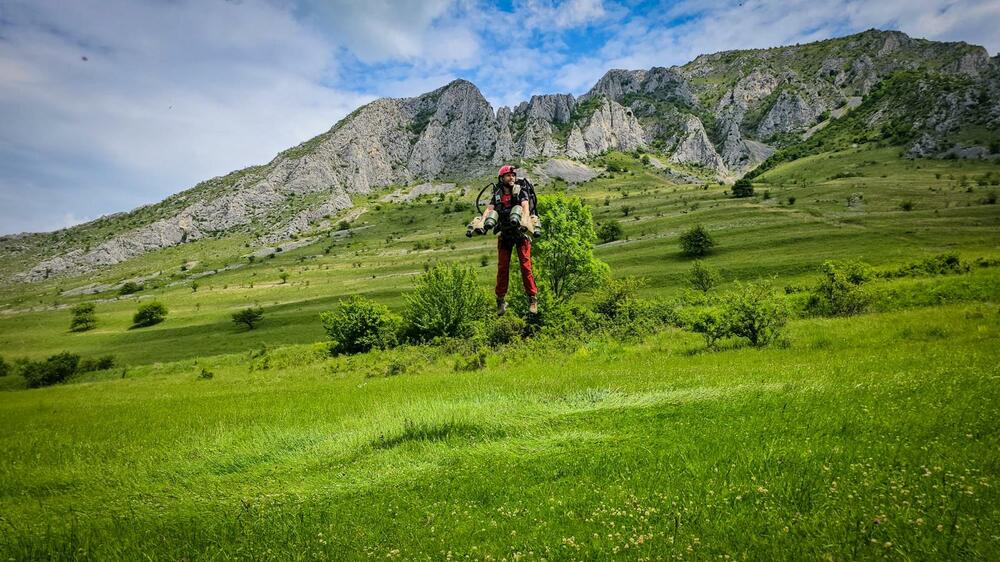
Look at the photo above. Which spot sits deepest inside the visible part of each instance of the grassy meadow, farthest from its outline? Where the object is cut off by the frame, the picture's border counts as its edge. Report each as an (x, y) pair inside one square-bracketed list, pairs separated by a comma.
[(872, 436)]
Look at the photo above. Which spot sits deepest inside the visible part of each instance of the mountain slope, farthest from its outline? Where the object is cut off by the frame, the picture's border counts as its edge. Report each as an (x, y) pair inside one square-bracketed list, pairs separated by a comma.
[(725, 113)]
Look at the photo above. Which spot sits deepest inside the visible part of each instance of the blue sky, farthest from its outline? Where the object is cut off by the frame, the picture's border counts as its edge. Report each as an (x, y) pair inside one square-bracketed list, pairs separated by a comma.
[(106, 105)]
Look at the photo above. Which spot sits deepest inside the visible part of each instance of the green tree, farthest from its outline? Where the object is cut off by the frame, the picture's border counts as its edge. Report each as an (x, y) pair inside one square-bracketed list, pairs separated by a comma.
[(248, 316), (609, 231), (566, 262), (4, 367), (447, 302), (703, 277), (149, 314), (283, 276), (696, 242), (742, 188), (83, 317)]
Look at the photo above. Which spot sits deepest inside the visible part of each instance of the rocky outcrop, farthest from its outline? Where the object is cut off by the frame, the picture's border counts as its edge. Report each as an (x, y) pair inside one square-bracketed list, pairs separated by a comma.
[(718, 111), (461, 135), (695, 147), (612, 127), (657, 83), (791, 111)]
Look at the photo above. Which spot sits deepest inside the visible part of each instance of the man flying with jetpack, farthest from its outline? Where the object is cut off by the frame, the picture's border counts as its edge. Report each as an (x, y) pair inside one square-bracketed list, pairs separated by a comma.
[(510, 213)]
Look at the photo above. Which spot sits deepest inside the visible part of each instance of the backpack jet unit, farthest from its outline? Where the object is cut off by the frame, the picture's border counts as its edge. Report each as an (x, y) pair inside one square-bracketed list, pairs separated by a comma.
[(525, 223)]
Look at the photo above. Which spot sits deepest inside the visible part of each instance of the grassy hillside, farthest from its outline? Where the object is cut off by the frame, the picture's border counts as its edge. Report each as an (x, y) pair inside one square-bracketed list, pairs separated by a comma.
[(865, 437), (392, 243)]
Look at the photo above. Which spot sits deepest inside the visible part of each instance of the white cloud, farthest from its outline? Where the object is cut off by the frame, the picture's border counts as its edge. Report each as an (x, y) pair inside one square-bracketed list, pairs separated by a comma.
[(197, 89), (424, 32)]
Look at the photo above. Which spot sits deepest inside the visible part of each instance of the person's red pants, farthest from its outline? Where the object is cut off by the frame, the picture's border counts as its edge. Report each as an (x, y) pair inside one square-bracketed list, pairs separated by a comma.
[(504, 248)]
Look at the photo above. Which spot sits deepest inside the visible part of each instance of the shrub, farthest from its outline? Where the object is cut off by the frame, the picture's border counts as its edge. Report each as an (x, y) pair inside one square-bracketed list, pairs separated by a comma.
[(619, 308), (149, 314), (505, 330), (841, 292), (610, 231), (742, 188), (941, 264), (53, 370), (696, 242), (205, 374), (566, 262), (83, 317), (791, 200), (129, 287), (446, 302), (248, 316), (755, 313), (703, 277), (4, 367), (96, 364), (474, 361), (618, 299), (360, 324), (712, 324), (906, 205)]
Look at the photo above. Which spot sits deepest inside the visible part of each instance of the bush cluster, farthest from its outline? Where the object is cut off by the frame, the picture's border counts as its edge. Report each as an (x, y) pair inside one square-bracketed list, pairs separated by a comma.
[(102, 363), (446, 302), (703, 277), (83, 317), (696, 242), (360, 324), (55, 369), (610, 231), (149, 314), (742, 188), (129, 287), (941, 264), (842, 291), (248, 317), (751, 311)]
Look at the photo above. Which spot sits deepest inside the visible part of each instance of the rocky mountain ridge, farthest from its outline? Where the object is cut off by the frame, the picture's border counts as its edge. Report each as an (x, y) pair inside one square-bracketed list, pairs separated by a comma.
[(725, 113)]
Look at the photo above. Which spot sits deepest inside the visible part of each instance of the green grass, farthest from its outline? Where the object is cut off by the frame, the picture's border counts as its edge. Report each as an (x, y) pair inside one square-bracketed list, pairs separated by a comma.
[(822, 449), (865, 437), (755, 238)]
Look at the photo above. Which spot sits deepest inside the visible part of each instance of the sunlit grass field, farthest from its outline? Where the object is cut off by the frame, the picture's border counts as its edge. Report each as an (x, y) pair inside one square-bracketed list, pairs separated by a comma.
[(872, 436), (867, 437)]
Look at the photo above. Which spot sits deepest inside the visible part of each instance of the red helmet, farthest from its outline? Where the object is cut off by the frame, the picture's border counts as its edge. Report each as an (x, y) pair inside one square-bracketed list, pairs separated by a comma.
[(506, 169)]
